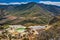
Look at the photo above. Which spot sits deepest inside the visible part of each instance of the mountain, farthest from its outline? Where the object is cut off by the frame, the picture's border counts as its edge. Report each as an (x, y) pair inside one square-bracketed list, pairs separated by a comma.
[(52, 8), (28, 14)]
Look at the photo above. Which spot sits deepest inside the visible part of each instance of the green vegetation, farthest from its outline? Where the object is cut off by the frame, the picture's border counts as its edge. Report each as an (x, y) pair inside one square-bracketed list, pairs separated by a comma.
[(53, 32), (30, 13)]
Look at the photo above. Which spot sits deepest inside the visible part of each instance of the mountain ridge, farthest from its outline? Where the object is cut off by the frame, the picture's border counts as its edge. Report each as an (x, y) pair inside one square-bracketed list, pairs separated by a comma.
[(25, 14)]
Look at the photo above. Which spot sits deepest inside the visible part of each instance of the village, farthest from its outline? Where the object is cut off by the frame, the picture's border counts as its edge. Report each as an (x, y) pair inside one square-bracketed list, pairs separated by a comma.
[(19, 32)]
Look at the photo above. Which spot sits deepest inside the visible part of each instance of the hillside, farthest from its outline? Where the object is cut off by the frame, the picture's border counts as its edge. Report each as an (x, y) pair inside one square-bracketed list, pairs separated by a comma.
[(28, 14), (53, 32)]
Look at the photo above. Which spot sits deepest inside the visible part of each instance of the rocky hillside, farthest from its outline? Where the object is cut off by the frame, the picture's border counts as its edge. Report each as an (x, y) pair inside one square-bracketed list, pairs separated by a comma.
[(28, 14)]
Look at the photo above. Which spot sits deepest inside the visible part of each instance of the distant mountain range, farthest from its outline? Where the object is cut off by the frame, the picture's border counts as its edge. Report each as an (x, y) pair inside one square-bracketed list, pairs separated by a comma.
[(28, 14)]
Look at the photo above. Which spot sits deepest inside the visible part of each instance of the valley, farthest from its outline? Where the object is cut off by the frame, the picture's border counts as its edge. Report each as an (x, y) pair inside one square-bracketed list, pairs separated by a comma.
[(31, 21)]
